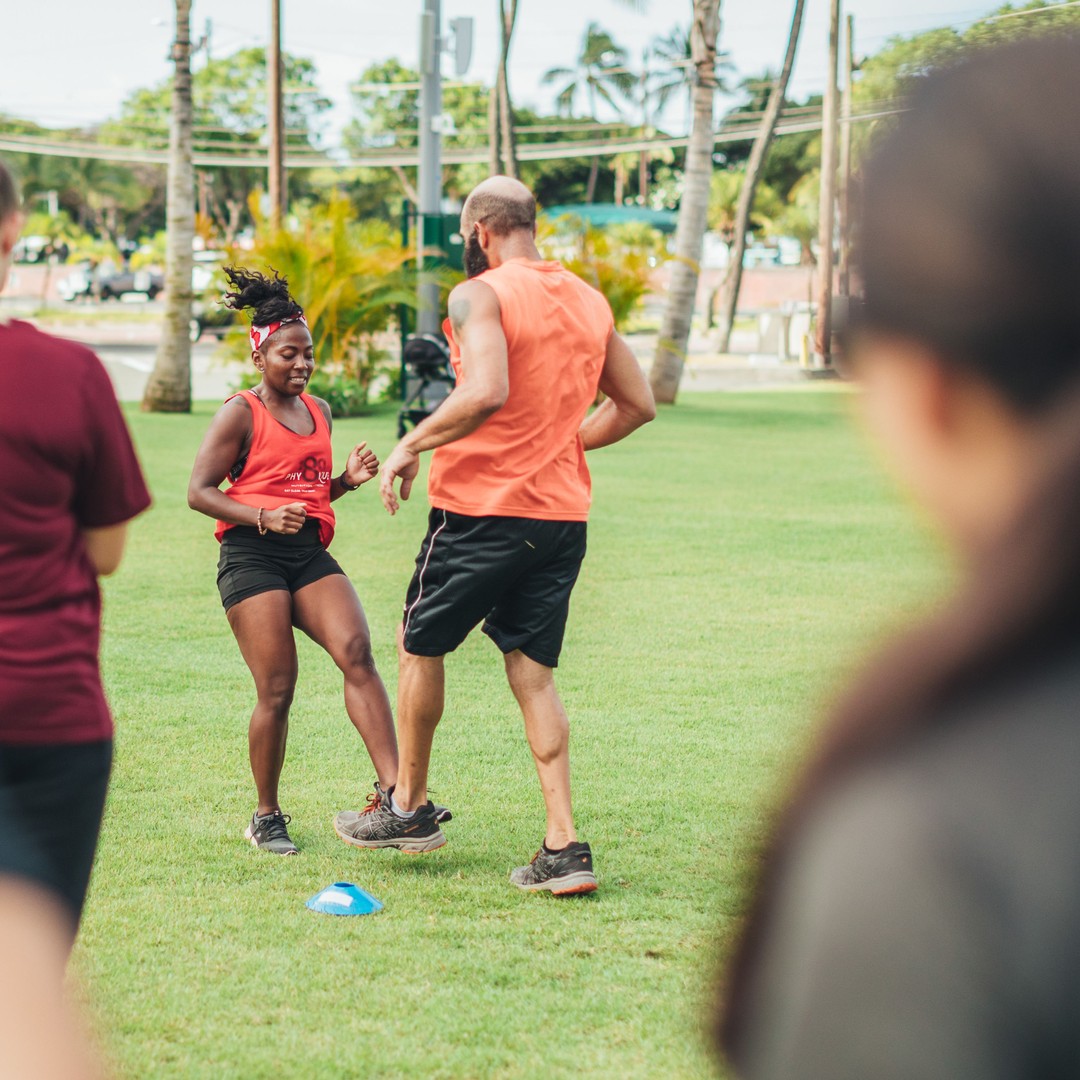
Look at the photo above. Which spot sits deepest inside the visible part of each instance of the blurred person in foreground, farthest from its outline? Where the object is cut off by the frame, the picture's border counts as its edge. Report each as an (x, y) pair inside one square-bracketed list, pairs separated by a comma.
[(41, 1037), (69, 483), (919, 910)]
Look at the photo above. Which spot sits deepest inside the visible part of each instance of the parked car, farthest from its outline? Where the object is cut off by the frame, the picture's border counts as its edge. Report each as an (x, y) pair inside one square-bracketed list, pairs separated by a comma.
[(209, 316), (113, 286), (30, 249), (760, 255), (78, 284)]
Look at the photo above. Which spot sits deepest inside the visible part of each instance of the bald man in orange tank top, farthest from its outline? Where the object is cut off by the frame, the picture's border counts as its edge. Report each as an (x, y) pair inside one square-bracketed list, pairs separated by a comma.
[(509, 488)]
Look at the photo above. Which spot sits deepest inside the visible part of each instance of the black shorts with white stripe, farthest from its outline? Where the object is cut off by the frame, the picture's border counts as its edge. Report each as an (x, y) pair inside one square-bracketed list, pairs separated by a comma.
[(514, 574)]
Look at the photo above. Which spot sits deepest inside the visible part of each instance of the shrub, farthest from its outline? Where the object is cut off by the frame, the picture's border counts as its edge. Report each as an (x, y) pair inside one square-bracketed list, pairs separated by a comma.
[(617, 260), (350, 277)]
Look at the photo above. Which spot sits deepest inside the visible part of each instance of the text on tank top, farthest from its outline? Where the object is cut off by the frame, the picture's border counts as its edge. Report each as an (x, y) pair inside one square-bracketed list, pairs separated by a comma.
[(284, 467)]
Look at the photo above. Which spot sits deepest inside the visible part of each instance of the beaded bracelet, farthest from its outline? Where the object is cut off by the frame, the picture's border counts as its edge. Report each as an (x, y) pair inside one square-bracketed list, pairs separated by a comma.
[(258, 523)]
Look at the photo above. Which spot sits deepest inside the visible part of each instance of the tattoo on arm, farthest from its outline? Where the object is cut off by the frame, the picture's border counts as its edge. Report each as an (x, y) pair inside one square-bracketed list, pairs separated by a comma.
[(459, 313)]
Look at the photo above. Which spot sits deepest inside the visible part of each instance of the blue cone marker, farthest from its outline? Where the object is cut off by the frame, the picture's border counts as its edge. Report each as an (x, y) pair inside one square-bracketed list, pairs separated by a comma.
[(344, 898)]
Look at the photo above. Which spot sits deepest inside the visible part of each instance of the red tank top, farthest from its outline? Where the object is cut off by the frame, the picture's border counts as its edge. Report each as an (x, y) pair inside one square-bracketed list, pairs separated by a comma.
[(283, 467), (526, 460)]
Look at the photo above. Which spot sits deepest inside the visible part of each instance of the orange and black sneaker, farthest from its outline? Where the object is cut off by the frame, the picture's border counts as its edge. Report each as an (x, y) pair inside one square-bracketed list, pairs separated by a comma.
[(375, 799), (379, 826), (561, 873)]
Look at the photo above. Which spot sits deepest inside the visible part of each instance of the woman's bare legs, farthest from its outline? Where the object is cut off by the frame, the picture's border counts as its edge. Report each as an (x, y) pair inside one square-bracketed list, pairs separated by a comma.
[(263, 628), (329, 612)]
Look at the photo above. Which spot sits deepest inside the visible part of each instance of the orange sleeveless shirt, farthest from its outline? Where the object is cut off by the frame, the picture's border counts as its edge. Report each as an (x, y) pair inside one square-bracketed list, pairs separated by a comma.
[(284, 467), (527, 460)]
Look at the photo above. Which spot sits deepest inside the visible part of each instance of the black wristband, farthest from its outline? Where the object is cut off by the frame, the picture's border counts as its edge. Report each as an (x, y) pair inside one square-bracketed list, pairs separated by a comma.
[(345, 483)]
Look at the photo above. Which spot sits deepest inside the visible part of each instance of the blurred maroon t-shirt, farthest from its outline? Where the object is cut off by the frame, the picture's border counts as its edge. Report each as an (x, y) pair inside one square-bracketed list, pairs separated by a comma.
[(66, 464)]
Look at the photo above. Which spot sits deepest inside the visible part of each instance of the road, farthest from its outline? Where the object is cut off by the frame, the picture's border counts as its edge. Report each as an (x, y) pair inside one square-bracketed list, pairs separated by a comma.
[(128, 349), (129, 366)]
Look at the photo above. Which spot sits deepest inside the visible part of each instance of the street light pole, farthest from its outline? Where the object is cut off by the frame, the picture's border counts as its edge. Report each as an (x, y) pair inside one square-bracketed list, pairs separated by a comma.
[(429, 182)]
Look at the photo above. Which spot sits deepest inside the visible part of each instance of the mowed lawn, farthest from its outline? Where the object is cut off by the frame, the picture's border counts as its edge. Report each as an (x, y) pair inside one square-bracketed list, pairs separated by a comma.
[(743, 553)]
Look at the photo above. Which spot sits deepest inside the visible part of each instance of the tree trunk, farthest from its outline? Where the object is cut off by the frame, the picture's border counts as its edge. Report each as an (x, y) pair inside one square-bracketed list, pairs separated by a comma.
[(494, 142), (507, 18), (407, 186), (693, 210), (594, 175), (169, 386), (729, 291)]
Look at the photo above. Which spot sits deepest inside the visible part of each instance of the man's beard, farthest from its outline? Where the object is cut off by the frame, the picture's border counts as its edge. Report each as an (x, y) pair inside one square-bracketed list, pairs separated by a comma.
[(476, 260)]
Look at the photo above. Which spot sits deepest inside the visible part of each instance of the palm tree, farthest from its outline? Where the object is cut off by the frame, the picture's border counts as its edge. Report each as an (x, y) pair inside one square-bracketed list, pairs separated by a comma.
[(693, 210), (169, 386), (500, 109), (729, 291), (676, 72), (601, 73)]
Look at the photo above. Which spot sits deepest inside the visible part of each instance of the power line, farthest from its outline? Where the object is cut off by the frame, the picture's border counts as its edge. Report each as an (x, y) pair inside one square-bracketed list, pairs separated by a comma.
[(1030, 11), (736, 123), (409, 158)]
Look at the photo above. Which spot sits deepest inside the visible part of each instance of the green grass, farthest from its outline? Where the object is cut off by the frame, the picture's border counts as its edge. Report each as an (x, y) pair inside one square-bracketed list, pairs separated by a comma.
[(743, 553)]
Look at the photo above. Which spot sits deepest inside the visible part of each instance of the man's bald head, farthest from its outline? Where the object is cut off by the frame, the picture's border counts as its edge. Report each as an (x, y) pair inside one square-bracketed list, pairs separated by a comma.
[(502, 205)]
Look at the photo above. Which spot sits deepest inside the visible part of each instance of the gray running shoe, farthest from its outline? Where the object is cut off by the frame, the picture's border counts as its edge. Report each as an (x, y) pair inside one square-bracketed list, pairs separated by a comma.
[(349, 818), (268, 833), (377, 826), (565, 873)]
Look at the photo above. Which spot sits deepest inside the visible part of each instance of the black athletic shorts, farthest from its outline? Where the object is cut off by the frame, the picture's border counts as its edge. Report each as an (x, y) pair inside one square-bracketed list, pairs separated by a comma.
[(516, 574), (51, 800), (251, 564)]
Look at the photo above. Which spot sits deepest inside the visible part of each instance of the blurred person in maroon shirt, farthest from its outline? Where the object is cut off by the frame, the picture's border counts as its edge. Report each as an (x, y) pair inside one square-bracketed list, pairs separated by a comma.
[(69, 483)]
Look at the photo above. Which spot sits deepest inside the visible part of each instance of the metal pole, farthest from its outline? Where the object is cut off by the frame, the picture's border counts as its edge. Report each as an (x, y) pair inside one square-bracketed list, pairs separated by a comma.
[(429, 182), (643, 161), (844, 285), (823, 342), (275, 125)]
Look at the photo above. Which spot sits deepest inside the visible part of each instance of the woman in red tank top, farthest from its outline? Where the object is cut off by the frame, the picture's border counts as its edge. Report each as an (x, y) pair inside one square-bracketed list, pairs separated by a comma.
[(274, 523)]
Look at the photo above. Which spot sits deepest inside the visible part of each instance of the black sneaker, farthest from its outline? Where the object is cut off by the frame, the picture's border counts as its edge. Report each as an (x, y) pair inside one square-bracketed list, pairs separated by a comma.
[(268, 833), (377, 826), (563, 874)]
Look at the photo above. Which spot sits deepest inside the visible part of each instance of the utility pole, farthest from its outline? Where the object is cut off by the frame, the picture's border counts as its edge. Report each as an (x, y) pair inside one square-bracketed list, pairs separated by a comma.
[(429, 182), (643, 163), (844, 284), (823, 338), (276, 125)]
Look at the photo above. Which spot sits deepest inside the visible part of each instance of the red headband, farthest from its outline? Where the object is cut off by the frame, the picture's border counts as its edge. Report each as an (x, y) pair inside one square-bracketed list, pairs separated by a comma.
[(259, 334)]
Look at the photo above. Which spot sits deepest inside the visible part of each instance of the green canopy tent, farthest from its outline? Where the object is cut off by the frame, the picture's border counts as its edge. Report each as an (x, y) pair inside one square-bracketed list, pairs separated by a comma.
[(601, 214)]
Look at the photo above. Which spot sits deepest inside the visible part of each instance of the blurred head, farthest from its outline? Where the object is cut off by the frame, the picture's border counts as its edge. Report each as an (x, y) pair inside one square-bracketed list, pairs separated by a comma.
[(968, 337), (11, 220), (497, 222)]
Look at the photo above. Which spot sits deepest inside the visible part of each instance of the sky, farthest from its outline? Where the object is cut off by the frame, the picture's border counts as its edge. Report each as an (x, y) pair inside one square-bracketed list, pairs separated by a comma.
[(69, 62)]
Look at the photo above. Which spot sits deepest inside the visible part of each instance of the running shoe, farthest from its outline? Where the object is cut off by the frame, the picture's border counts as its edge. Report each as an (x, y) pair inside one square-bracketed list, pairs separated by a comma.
[(268, 833), (563, 873), (375, 799), (377, 826)]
